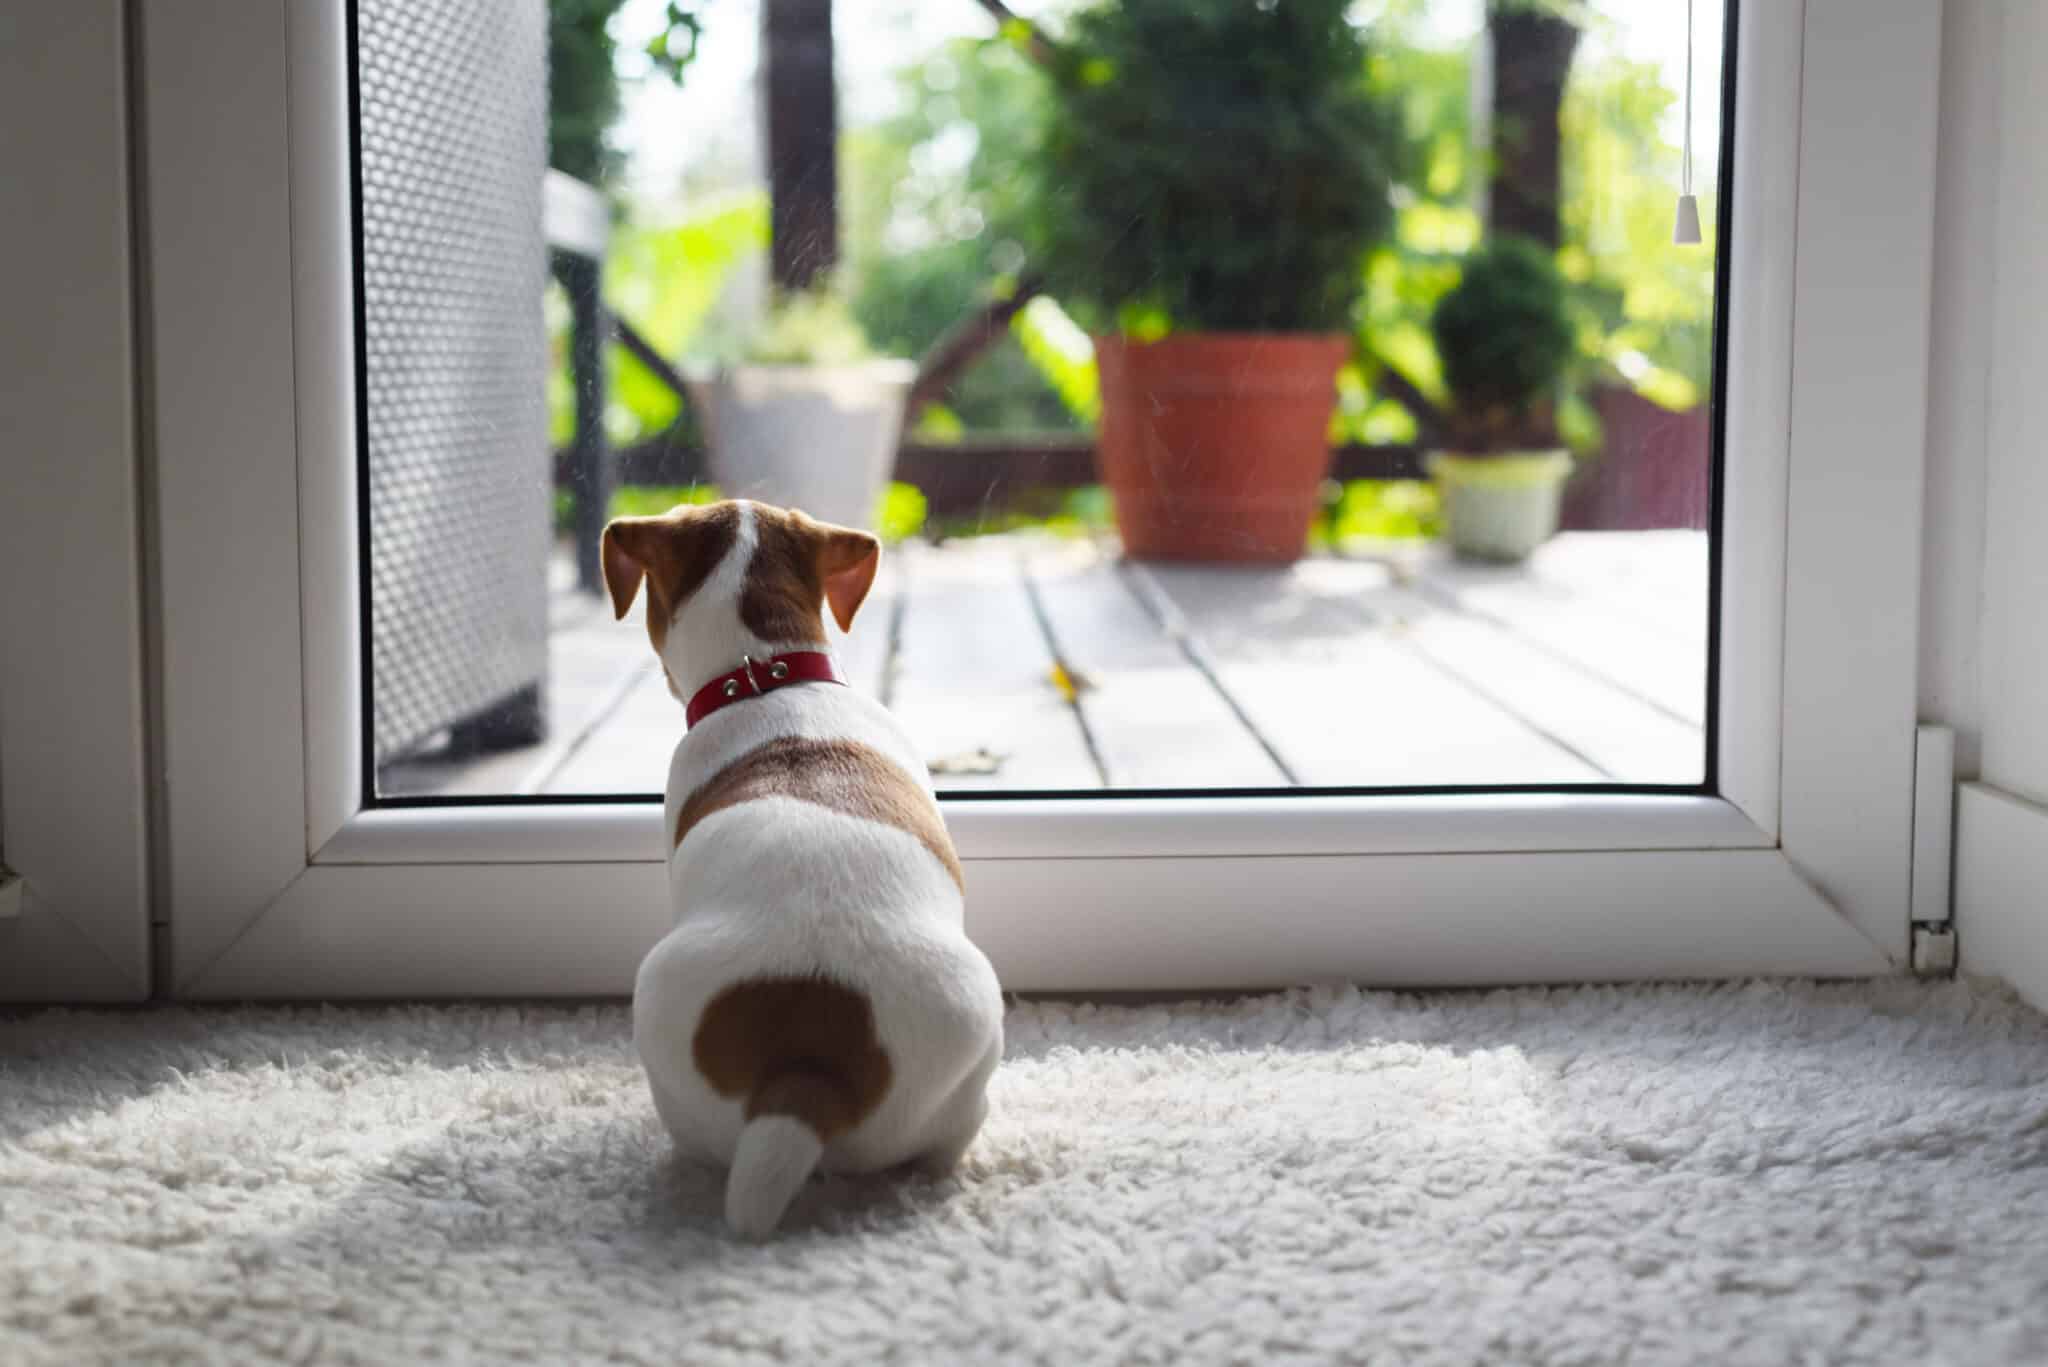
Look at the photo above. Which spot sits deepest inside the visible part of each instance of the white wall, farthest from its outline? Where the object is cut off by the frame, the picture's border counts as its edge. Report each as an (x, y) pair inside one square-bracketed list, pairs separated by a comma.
[(2014, 644), (71, 707), (1984, 609), (1966, 208)]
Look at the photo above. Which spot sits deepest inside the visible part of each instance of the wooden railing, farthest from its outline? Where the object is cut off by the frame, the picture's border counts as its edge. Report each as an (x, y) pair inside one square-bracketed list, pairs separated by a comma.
[(958, 478)]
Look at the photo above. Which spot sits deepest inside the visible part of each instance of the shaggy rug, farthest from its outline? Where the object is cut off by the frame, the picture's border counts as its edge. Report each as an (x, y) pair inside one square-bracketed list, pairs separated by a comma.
[(1754, 1173)]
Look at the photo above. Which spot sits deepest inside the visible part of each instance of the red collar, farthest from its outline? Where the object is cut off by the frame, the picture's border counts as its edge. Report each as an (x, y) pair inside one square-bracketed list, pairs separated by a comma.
[(755, 677)]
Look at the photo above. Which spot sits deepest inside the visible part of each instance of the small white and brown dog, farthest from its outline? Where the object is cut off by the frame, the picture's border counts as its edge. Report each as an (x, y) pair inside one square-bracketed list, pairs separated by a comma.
[(818, 1003)]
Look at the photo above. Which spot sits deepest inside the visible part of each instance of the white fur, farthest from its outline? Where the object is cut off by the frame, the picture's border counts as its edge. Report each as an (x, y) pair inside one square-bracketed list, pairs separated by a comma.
[(780, 887), (774, 1159)]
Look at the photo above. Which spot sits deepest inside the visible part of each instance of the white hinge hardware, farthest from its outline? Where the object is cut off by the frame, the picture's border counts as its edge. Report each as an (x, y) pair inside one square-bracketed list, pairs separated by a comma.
[(1932, 919), (1934, 949)]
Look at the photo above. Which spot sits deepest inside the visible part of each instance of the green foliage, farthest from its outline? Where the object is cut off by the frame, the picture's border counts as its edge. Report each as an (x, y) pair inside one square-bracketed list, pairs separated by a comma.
[(1642, 307), (1504, 340), (652, 500), (1086, 511), (900, 516), (583, 82), (1649, 302), (583, 90), (1385, 510), (674, 46), (1214, 164), (808, 327), (902, 513), (665, 279), (1064, 355), (935, 200)]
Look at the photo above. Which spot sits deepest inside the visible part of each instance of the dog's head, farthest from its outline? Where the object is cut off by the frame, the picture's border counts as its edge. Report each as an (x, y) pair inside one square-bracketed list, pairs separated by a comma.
[(736, 578)]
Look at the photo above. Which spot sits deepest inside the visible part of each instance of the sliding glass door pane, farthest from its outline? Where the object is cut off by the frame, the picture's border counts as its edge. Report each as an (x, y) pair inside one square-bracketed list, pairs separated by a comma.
[(1249, 398)]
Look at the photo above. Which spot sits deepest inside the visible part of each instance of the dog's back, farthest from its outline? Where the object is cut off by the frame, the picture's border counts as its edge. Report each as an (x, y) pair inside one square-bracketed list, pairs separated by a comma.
[(817, 1000)]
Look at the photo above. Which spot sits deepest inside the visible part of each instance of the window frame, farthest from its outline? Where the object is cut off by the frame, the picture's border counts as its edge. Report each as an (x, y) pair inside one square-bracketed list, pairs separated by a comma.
[(282, 882), (74, 718)]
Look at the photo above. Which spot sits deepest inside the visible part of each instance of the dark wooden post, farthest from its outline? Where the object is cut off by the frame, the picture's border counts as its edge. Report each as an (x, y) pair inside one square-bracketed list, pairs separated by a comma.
[(1532, 56), (801, 118), (591, 476)]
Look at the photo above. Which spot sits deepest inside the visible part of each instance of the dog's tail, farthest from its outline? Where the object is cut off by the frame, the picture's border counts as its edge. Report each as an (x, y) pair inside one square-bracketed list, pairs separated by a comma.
[(791, 1116)]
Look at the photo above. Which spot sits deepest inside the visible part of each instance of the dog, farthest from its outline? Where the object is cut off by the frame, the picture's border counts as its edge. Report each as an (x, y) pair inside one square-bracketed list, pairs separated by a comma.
[(817, 1005)]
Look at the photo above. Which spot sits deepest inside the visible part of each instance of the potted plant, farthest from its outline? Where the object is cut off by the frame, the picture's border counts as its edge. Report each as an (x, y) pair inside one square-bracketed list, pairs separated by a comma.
[(1215, 172), (805, 414), (1504, 339)]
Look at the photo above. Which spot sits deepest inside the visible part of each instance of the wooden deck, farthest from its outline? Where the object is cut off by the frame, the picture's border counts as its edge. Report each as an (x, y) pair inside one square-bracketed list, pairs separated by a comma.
[(1032, 663)]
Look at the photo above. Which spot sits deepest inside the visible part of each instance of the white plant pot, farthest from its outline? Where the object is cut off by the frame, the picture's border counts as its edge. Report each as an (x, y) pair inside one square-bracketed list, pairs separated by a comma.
[(1500, 507), (819, 438)]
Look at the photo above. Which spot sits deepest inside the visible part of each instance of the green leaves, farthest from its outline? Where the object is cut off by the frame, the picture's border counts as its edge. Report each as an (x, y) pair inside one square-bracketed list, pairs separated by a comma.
[(812, 327), (675, 46), (583, 84), (1505, 340), (665, 280), (1221, 165), (1063, 354)]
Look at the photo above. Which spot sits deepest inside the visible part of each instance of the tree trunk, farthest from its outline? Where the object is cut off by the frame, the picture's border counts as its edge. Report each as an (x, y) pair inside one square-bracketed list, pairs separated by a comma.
[(1532, 56), (800, 116)]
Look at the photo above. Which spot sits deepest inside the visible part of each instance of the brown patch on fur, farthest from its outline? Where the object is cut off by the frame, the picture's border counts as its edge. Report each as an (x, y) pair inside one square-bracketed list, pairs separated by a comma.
[(674, 552), (800, 1047), (839, 775), (784, 595), (798, 564)]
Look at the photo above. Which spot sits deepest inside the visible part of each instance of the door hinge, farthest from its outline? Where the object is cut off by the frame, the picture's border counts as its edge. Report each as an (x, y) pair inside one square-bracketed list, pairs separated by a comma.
[(1934, 814), (1934, 949)]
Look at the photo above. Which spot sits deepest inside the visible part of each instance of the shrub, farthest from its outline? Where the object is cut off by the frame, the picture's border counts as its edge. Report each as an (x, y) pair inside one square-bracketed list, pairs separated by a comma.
[(1214, 164), (1505, 341), (813, 327)]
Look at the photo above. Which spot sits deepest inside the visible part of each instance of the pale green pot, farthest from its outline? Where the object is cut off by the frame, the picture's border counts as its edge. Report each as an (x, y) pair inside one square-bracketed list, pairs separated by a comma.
[(1500, 507)]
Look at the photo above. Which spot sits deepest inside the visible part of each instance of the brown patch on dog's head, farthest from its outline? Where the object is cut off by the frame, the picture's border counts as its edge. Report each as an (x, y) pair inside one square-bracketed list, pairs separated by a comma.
[(673, 552), (800, 565)]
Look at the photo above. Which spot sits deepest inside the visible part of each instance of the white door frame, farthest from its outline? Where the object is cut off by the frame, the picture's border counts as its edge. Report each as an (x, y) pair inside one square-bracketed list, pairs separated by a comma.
[(283, 884), (74, 820)]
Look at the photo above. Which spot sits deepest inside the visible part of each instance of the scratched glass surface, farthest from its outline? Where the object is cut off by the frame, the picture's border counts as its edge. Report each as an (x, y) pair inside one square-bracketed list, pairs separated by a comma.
[(1245, 395)]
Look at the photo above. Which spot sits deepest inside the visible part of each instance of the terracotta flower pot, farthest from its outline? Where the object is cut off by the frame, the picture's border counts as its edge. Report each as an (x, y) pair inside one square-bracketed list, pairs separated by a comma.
[(1215, 445)]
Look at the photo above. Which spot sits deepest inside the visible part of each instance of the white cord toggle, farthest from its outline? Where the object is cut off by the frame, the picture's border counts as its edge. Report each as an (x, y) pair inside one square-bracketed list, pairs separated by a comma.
[(1686, 230)]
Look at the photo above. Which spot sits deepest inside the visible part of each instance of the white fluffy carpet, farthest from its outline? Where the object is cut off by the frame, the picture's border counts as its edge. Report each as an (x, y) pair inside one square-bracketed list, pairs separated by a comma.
[(1744, 1174)]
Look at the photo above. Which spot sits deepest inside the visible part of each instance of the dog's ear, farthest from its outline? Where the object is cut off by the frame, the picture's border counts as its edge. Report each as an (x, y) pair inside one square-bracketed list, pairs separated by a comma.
[(674, 552), (623, 552), (847, 561)]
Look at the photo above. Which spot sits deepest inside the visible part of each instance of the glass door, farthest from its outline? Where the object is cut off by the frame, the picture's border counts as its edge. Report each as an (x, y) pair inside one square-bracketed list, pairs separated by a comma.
[(1192, 481), (1336, 519)]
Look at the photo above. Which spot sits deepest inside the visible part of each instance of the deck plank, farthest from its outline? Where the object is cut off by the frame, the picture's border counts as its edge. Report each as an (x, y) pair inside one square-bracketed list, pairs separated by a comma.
[(1588, 664), (1659, 576), (973, 672), (1629, 740), (1308, 654), (1637, 639), (1156, 720), (628, 750)]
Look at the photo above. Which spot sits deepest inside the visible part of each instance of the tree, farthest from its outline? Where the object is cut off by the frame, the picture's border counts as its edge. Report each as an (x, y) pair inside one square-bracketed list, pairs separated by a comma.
[(936, 217), (1532, 47), (583, 79)]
